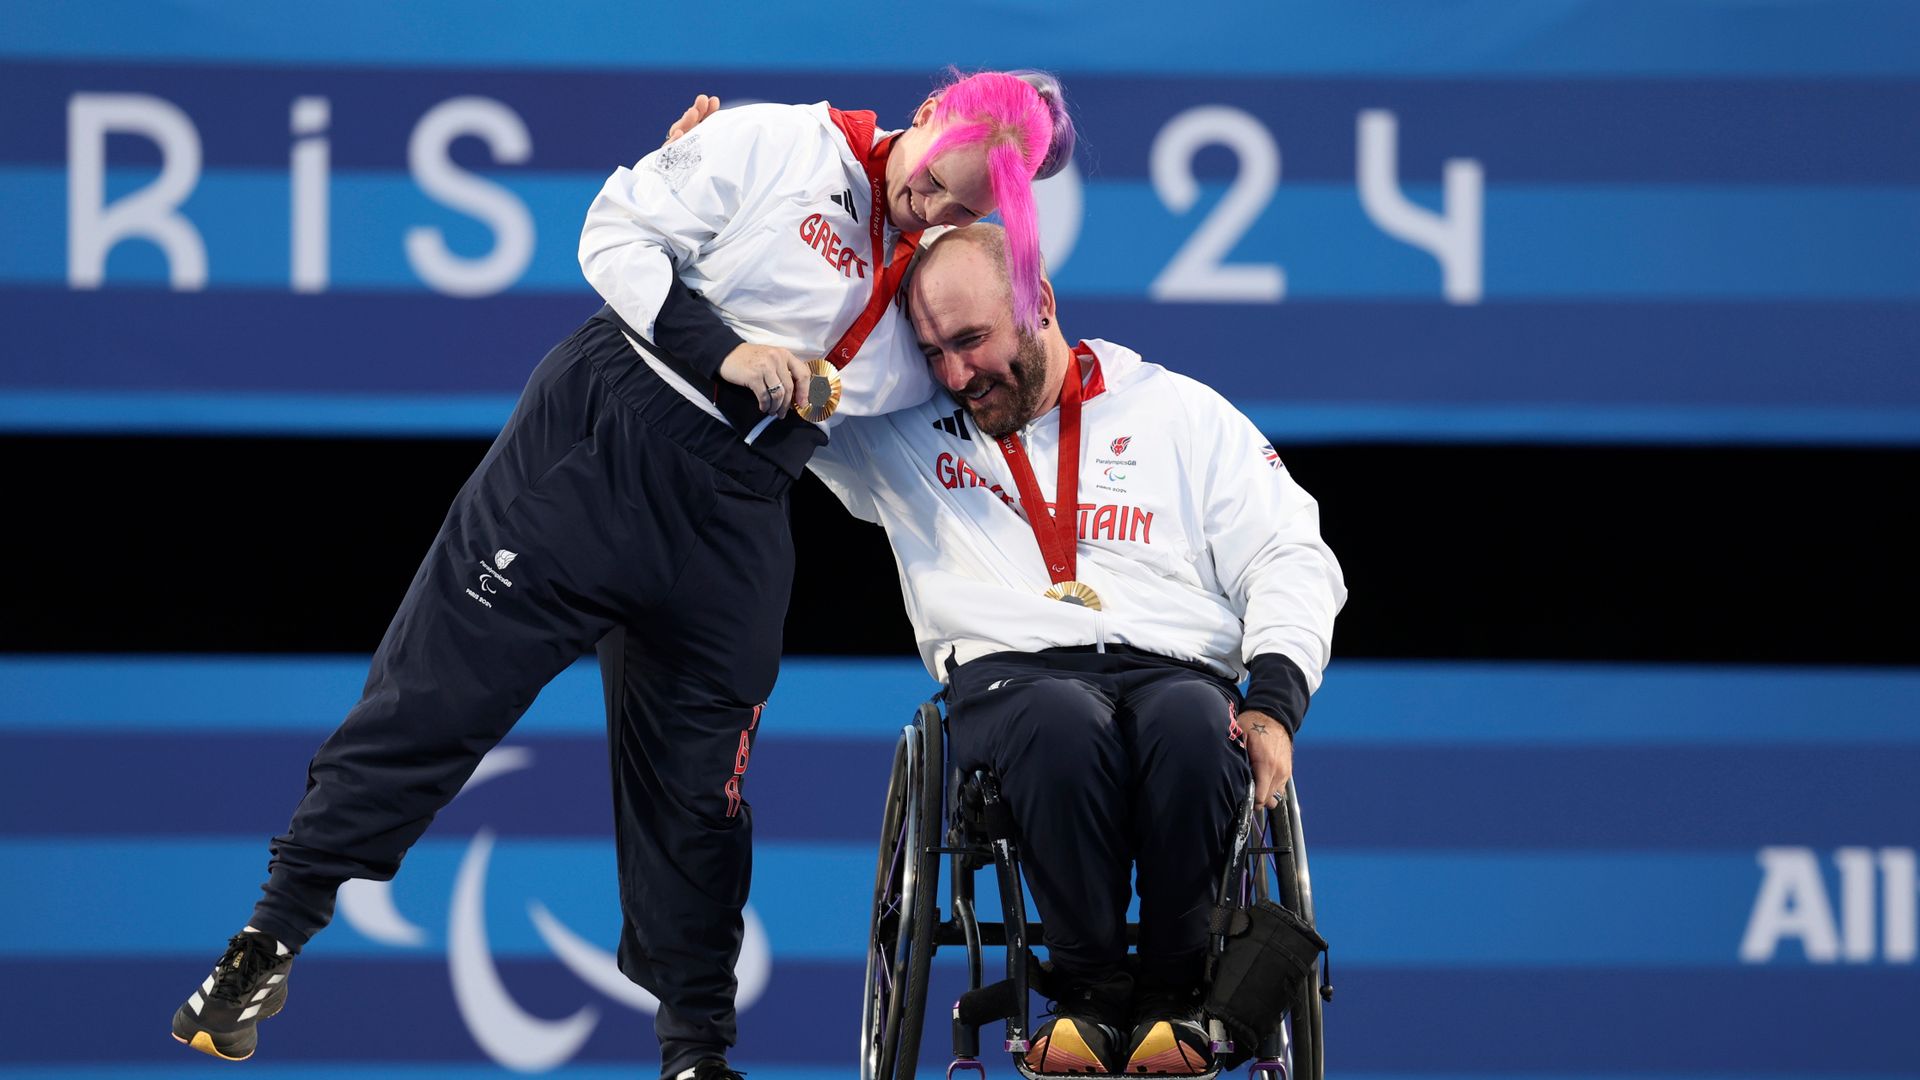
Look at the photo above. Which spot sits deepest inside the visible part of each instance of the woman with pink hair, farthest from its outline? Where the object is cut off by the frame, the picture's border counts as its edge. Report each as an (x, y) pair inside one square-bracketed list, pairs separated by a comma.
[(974, 146), (635, 503), (1002, 139), (995, 127)]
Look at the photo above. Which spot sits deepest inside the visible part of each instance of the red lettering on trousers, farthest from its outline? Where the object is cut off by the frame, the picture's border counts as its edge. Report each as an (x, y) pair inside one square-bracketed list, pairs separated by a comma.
[(740, 758)]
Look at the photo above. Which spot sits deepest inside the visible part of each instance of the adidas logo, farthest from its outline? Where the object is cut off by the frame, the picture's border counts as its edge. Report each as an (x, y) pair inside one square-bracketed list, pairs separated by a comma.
[(844, 200), (955, 424)]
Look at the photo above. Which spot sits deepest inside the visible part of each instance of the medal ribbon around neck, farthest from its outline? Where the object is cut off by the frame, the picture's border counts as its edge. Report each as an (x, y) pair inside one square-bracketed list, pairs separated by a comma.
[(1056, 531), (822, 395), (886, 274)]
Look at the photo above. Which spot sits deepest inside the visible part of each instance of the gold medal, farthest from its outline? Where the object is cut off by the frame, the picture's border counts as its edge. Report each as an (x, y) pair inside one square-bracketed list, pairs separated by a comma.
[(1073, 592), (820, 394)]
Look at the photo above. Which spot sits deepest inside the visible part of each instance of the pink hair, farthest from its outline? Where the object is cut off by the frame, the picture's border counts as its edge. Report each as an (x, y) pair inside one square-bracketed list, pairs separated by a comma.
[(1008, 114)]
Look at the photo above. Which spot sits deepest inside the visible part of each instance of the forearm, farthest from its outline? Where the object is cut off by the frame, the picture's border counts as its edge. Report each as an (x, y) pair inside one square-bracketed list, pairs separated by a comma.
[(692, 332), (1277, 687)]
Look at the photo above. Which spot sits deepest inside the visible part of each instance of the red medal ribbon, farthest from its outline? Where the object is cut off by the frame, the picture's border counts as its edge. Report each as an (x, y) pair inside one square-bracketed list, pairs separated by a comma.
[(858, 127), (1056, 531)]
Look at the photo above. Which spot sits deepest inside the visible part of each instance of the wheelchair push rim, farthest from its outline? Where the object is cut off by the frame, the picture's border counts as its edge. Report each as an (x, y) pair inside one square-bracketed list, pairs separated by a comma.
[(1303, 1046), (900, 930)]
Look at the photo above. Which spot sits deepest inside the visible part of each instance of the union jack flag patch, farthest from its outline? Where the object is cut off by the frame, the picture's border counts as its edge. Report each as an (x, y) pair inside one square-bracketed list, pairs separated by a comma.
[(1271, 455)]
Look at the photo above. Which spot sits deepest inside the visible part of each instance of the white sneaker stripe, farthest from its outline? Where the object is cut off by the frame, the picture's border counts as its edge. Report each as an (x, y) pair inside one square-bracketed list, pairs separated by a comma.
[(278, 949), (262, 995), (195, 1002), (207, 987), (251, 1010), (271, 979)]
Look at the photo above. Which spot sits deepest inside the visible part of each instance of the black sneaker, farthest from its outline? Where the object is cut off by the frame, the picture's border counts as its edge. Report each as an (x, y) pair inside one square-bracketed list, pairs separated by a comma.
[(248, 985), (710, 1069), (1168, 1038)]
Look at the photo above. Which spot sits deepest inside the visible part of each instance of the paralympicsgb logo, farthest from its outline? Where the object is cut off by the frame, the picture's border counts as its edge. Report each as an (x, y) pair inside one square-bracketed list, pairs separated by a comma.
[(509, 1034)]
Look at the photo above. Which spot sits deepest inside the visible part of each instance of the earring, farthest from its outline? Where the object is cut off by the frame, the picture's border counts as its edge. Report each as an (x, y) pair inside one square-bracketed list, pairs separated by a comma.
[(1043, 324)]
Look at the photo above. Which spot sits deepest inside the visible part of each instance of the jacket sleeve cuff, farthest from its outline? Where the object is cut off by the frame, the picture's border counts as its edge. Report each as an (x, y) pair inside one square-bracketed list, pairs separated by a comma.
[(1276, 686), (689, 330)]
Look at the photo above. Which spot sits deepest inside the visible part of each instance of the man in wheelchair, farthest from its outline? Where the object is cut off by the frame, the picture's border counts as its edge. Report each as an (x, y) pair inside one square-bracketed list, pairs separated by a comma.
[(1091, 640)]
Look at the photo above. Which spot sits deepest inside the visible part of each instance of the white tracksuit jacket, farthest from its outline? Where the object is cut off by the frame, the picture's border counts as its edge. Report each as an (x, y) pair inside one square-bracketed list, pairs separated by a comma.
[(1199, 543), (764, 210)]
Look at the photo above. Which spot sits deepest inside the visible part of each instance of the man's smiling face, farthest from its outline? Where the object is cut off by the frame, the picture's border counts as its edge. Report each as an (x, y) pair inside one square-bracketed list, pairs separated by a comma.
[(963, 315)]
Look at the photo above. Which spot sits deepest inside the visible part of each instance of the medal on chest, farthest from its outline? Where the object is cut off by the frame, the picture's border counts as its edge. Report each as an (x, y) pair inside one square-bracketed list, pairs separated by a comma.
[(1055, 529)]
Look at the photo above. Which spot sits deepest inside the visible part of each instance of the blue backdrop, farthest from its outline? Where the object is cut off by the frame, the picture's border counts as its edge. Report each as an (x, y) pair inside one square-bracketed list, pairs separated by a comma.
[(1474, 220), (1485, 220), (1527, 870)]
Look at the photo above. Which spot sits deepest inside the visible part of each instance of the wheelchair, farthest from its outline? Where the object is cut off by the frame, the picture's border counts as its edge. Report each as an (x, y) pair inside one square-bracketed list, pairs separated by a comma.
[(933, 811)]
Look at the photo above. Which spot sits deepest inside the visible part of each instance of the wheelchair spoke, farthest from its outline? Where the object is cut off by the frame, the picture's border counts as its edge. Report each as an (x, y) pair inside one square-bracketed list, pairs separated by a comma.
[(904, 913)]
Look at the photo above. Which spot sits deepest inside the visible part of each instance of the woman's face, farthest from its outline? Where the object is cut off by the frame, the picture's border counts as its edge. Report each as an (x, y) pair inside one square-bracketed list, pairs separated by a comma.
[(952, 189)]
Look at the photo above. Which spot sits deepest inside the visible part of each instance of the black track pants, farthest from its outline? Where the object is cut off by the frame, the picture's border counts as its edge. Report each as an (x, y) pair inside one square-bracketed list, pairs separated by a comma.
[(1110, 761), (609, 508)]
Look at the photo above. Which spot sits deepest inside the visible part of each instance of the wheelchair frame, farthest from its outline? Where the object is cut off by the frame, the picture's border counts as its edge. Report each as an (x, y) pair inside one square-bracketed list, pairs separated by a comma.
[(923, 795)]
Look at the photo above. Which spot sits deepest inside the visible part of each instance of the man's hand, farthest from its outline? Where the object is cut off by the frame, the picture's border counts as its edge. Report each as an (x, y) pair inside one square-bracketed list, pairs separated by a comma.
[(1270, 752), (773, 374), (704, 105)]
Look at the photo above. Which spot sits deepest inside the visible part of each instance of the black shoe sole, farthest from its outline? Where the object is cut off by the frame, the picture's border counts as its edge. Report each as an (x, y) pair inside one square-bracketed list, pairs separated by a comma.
[(229, 1046)]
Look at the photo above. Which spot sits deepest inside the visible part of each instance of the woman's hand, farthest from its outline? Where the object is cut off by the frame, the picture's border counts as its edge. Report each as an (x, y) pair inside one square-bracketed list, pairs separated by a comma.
[(704, 105), (773, 374)]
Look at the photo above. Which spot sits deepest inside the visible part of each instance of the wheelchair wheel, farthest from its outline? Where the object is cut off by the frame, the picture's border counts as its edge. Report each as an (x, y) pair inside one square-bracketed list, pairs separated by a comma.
[(1307, 1045), (906, 882)]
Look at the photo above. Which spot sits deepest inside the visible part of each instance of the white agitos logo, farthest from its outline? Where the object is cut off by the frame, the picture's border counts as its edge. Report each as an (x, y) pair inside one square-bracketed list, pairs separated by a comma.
[(509, 1034)]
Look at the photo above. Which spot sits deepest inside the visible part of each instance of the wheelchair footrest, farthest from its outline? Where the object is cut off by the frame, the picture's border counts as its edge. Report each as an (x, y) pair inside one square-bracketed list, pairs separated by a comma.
[(995, 1001)]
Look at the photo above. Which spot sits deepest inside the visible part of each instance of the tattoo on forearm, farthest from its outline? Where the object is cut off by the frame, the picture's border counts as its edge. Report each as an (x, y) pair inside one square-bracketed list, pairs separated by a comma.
[(1259, 726)]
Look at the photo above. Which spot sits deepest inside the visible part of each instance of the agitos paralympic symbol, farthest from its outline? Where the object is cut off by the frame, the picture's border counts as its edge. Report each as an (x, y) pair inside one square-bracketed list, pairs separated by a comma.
[(509, 1034)]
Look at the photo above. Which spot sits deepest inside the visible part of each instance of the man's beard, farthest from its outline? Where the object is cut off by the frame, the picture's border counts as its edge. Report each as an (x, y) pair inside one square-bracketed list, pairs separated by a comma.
[(1018, 401)]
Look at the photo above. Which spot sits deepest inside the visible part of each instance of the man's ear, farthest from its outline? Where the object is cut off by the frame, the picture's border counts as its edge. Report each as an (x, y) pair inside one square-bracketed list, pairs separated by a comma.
[(1047, 309), (923, 115)]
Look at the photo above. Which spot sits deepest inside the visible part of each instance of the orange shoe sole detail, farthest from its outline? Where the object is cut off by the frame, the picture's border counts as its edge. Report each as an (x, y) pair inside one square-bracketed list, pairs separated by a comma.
[(1161, 1054), (1065, 1052)]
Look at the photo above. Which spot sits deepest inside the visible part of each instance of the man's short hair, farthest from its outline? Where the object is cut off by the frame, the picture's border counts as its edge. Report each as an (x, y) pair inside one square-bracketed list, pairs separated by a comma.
[(989, 238)]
